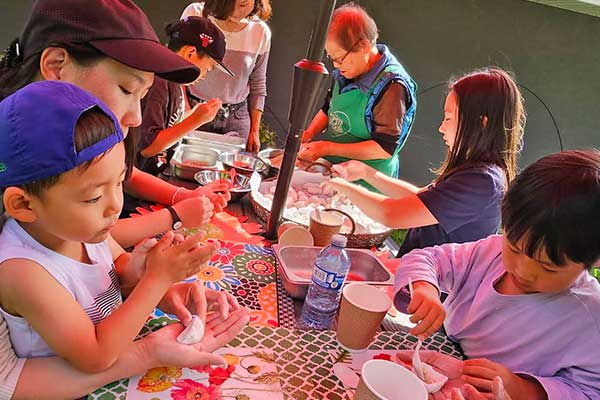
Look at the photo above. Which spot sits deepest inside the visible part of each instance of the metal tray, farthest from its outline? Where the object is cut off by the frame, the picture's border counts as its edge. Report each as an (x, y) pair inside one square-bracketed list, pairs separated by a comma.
[(295, 266), (187, 159), (220, 143)]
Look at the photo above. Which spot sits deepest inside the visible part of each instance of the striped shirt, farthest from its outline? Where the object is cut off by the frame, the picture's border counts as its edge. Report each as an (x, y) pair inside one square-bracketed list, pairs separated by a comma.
[(246, 55), (94, 286)]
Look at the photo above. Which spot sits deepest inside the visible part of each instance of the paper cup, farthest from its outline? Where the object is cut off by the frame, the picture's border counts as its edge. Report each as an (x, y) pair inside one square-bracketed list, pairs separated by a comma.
[(361, 312), (296, 236), (324, 227), (386, 380), (284, 226)]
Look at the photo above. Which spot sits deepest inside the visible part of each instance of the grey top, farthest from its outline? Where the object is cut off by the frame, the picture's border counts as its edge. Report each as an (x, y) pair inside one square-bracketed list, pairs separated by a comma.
[(246, 56)]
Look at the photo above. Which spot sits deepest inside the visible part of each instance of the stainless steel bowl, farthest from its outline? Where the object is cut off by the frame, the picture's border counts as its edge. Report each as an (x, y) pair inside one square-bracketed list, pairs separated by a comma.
[(267, 156), (240, 183), (188, 160), (243, 163)]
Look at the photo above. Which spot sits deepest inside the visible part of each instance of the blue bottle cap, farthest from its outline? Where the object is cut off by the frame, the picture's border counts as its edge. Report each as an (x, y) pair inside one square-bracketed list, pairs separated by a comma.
[(339, 240)]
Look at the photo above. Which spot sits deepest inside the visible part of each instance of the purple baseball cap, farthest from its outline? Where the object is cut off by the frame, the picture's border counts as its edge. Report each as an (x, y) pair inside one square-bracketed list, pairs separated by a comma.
[(118, 29), (37, 128)]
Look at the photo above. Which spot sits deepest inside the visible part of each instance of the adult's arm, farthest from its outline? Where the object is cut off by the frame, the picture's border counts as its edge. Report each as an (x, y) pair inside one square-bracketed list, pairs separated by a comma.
[(38, 378)]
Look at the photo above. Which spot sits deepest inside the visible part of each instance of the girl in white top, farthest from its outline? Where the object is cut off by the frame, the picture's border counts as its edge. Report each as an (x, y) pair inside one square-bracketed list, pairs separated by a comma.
[(248, 44)]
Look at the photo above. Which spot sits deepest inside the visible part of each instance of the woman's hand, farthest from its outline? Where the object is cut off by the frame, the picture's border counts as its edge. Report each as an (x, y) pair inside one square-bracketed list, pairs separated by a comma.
[(313, 150), (445, 364), (161, 348), (205, 112), (427, 309), (216, 192), (253, 144), (188, 298), (178, 261), (352, 170), (195, 211)]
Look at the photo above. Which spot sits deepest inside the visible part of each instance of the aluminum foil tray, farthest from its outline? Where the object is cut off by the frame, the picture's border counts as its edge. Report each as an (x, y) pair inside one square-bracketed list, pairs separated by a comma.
[(295, 265)]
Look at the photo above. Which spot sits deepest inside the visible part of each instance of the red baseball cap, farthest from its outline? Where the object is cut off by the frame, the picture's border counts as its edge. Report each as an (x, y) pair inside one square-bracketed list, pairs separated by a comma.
[(117, 28)]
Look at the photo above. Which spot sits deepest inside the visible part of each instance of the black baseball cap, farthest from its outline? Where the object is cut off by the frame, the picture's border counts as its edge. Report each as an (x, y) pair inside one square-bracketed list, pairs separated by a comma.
[(201, 32), (117, 28)]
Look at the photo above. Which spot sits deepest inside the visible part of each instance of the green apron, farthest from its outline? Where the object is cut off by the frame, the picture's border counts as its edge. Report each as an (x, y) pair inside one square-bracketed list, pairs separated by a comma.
[(347, 124)]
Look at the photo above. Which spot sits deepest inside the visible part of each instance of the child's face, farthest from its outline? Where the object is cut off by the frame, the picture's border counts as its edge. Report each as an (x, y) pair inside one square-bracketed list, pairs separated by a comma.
[(204, 63), (84, 205), (118, 86), (528, 275), (449, 126)]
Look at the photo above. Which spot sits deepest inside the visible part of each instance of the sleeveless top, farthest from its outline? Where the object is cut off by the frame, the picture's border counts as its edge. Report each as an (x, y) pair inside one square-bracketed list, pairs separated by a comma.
[(94, 286)]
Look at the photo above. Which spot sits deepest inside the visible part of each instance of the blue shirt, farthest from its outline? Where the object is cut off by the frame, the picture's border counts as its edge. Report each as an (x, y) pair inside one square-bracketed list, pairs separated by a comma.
[(466, 205)]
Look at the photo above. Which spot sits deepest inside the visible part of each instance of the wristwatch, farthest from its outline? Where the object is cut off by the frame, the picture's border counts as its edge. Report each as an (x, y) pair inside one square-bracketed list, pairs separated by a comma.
[(176, 224)]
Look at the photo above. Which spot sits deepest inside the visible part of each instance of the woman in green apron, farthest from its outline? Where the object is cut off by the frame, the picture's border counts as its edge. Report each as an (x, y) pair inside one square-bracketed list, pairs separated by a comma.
[(370, 109)]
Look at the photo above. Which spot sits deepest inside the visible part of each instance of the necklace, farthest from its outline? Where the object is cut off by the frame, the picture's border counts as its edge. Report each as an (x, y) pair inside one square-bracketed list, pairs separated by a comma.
[(229, 27)]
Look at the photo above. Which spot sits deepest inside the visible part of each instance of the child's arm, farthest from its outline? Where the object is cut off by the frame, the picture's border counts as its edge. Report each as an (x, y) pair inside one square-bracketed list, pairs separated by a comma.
[(29, 291), (354, 170), (200, 115), (400, 213), (432, 269)]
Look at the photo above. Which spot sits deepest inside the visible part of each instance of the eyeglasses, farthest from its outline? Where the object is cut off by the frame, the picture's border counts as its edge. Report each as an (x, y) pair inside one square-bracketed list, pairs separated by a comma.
[(340, 60)]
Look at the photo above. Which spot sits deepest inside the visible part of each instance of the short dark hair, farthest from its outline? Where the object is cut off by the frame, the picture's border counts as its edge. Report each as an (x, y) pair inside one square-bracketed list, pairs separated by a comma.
[(554, 206), (222, 9), (351, 24), (93, 126)]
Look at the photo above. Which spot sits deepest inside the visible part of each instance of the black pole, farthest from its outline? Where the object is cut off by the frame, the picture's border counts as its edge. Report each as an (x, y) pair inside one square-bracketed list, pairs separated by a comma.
[(310, 76)]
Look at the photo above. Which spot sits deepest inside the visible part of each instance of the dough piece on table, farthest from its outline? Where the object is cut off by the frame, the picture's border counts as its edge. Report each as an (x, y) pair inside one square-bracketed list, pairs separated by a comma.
[(193, 333)]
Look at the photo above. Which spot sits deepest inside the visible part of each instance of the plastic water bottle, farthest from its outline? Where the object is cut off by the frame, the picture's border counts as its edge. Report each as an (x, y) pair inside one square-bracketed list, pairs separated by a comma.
[(323, 296)]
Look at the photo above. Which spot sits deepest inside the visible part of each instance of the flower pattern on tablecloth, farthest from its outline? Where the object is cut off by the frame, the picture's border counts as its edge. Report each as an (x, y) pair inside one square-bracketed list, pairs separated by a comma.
[(218, 276), (267, 314), (188, 389), (226, 251), (266, 251), (255, 266)]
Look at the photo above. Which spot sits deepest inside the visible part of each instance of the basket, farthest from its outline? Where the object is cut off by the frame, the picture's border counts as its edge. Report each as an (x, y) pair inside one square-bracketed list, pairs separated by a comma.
[(355, 240)]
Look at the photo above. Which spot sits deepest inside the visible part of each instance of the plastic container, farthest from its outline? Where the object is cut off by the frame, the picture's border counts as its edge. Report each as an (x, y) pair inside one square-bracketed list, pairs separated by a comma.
[(328, 277)]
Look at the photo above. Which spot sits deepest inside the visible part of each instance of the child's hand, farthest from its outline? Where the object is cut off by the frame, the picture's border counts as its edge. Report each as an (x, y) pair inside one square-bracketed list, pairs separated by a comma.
[(352, 170), (482, 372), (498, 392), (176, 262), (338, 186), (195, 211), (427, 309), (206, 112)]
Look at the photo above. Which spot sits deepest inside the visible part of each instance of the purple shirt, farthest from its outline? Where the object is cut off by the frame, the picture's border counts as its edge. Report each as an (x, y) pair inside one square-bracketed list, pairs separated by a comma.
[(554, 338), (466, 205)]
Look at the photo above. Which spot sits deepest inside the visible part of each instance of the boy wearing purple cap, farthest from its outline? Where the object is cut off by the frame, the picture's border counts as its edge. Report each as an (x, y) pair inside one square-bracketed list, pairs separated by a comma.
[(166, 114), (60, 282), (101, 50)]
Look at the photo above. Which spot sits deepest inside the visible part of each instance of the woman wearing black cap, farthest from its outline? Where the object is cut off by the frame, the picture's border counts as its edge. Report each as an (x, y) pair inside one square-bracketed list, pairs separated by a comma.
[(164, 109), (99, 49)]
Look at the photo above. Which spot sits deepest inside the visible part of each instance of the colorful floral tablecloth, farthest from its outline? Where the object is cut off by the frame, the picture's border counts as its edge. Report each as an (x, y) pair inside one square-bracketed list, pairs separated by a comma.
[(304, 360)]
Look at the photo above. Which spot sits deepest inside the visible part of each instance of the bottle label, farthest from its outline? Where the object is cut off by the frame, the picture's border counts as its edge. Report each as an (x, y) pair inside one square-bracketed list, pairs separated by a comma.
[(326, 279)]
